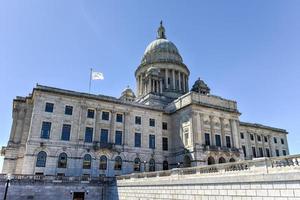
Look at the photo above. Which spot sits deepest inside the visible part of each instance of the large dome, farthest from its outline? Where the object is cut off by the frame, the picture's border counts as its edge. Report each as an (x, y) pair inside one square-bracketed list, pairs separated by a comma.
[(161, 50)]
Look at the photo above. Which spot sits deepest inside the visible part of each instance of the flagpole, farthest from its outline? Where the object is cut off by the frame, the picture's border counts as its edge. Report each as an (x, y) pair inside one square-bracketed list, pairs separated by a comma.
[(90, 80)]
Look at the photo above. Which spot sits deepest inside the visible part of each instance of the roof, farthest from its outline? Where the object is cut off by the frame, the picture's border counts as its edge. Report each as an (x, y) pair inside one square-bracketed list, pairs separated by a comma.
[(255, 125)]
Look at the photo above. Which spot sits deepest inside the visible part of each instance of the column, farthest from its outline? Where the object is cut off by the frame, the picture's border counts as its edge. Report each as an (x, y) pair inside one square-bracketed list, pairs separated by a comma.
[(183, 81), (166, 79), (141, 91), (137, 85), (202, 137), (161, 86), (112, 127), (270, 146), (187, 83), (234, 133), (173, 77), (97, 124), (179, 80), (263, 144), (81, 123), (256, 146), (126, 127), (223, 139), (149, 86), (212, 142)]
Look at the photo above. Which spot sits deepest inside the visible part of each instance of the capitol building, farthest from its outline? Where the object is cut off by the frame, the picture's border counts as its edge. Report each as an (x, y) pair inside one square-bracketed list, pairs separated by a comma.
[(164, 124)]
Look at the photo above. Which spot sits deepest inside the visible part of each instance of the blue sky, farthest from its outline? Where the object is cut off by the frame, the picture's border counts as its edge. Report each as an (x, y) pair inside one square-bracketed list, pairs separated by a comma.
[(247, 51)]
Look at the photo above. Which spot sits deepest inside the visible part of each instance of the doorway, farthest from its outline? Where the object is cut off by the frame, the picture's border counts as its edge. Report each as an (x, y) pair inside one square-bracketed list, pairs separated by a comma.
[(78, 196)]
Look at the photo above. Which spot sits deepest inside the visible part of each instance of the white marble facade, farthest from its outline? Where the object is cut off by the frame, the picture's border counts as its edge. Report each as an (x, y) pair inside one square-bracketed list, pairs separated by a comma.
[(189, 128)]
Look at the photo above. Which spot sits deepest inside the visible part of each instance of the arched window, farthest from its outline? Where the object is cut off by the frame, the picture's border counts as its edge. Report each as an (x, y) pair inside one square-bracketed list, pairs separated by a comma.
[(87, 161), (187, 161), (165, 165), (222, 160), (118, 163), (41, 159), (103, 163), (62, 160), (137, 165), (152, 165), (231, 160), (210, 160)]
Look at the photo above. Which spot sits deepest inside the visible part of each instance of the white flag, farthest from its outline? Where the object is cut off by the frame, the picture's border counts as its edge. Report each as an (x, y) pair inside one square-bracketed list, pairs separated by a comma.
[(97, 76)]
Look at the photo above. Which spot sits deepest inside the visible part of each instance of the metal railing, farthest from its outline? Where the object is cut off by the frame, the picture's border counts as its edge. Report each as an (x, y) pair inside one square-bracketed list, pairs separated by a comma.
[(263, 165)]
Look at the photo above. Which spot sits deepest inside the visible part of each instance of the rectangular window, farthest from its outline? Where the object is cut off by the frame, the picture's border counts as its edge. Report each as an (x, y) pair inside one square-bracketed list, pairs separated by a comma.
[(266, 139), (66, 131), (261, 153), (277, 152), (254, 152), (258, 138), (137, 139), (207, 139), (105, 115), (275, 140), (119, 118), (242, 135), (151, 122), (251, 137), (104, 136), (244, 150), (152, 141), (118, 138), (268, 152), (284, 152), (138, 120), (68, 110), (228, 142), (165, 144), (90, 113), (165, 126), (282, 141), (46, 128), (218, 140), (88, 134), (49, 107)]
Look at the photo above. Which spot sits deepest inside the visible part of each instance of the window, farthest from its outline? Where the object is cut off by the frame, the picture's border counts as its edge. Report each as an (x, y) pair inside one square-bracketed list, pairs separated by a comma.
[(88, 134), (222, 160), (251, 137), (254, 152), (137, 165), (268, 152), (152, 141), (228, 142), (46, 128), (62, 160), (105, 115), (68, 110), (118, 138), (152, 165), (104, 136), (165, 165), (103, 163), (218, 140), (261, 153), (118, 163), (186, 136), (138, 120), (244, 150), (275, 140), (207, 139), (210, 161), (90, 113), (49, 107), (282, 141), (242, 135), (277, 152), (186, 161), (87, 161), (137, 139), (266, 139), (41, 159), (119, 118), (151, 122), (258, 138), (65, 133), (165, 144), (284, 152), (165, 126)]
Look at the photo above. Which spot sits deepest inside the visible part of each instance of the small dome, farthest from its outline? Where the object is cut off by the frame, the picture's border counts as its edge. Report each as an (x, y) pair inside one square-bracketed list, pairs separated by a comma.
[(127, 94), (200, 87)]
